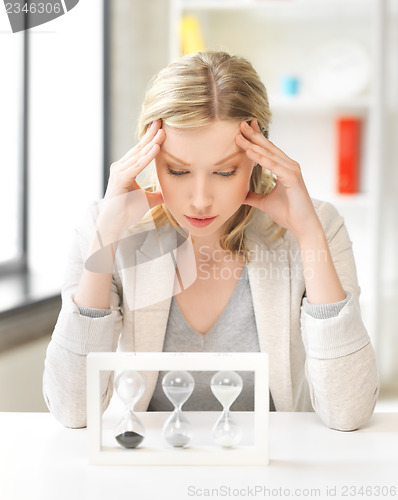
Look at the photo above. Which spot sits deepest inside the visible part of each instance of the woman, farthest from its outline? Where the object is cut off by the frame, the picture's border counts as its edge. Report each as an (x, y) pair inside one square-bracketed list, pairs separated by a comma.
[(265, 267)]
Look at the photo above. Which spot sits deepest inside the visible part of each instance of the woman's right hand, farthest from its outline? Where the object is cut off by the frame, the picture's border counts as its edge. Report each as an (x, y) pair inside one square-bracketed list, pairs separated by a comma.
[(125, 202), (124, 172)]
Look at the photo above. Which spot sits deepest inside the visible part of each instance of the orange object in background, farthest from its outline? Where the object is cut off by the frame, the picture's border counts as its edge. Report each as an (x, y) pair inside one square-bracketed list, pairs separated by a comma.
[(348, 154)]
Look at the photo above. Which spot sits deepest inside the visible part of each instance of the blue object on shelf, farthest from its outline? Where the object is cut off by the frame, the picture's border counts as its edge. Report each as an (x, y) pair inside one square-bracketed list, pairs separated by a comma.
[(289, 85)]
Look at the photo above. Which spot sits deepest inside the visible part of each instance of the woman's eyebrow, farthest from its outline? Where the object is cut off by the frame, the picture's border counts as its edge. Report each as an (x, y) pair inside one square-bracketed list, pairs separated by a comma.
[(228, 158), (182, 162)]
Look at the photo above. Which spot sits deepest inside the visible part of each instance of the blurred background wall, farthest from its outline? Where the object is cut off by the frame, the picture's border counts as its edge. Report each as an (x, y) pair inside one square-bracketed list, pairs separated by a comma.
[(85, 79)]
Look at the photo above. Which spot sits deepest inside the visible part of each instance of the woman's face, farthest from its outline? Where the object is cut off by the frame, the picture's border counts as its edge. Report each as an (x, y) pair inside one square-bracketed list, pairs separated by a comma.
[(204, 176)]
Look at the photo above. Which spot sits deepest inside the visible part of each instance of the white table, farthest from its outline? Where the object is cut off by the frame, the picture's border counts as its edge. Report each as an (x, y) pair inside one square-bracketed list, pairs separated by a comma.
[(40, 459)]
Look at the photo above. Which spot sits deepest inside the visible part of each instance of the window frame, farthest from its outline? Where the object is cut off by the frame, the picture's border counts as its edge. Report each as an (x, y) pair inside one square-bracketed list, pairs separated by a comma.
[(19, 263)]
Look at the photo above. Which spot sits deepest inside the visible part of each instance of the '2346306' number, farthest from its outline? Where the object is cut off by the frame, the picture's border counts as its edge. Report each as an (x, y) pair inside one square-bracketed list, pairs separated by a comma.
[(33, 8), (367, 491)]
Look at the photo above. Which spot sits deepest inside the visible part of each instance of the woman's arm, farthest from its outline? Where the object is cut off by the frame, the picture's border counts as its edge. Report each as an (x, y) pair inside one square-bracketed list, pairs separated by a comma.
[(290, 206), (340, 361), (124, 204), (90, 319), (341, 364), (322, 282), (75, 335)]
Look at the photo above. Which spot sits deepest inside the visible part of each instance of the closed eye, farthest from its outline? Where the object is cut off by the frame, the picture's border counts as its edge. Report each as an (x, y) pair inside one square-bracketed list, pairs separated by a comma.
[(183, 172), (226, 174), (177, 172)]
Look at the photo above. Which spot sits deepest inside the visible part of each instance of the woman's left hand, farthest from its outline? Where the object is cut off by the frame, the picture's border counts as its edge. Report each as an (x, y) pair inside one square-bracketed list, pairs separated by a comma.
[(289, 203)]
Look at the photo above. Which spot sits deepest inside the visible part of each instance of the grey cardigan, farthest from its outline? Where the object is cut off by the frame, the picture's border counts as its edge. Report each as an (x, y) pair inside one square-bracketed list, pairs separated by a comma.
[(323, 364)]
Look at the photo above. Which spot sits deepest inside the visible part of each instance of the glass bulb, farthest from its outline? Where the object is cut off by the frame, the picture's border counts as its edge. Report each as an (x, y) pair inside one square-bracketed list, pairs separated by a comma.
[(129, 386), (226, 387), (178, 387)]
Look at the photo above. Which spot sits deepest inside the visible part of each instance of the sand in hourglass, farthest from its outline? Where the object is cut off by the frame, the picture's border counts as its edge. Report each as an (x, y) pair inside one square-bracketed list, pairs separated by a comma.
[(129, 386), (226, 393), (226, 387), (178, 386), (129, 439)]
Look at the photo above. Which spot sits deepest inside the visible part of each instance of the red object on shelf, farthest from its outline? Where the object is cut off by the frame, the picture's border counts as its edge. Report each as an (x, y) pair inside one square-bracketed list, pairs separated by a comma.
[(348, 154)]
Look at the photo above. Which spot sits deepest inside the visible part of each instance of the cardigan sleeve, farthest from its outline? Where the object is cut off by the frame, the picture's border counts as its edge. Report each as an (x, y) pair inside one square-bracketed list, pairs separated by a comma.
[(75, 335), (340, 361), (323, 311)]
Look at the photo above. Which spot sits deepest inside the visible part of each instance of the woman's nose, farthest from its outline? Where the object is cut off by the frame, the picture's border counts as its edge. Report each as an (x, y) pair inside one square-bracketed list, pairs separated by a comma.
[(201, 196)]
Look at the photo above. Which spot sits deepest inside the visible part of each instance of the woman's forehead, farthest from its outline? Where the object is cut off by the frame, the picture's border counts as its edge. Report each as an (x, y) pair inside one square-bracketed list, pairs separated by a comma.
[(216, 140), (217, 133)]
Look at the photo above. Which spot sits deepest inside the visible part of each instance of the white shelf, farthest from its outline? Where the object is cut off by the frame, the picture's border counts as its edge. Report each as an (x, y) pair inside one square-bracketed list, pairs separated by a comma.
[(285, 8), (254, 4), (216, 4), (298, 104), (359, 200)]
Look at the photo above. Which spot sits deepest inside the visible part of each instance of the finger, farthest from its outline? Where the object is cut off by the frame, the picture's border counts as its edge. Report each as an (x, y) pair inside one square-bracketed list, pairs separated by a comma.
[(266, 161), (146, 159), (257, 137), (254, 148), (264, 157), (246, 145), (254, 137), (135, 158), (254, 124), (289, 176), (141, 163), (150, 133)]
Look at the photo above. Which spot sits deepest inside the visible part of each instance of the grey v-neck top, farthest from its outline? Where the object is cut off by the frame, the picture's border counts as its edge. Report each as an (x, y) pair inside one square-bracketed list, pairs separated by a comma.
[(234, 331)]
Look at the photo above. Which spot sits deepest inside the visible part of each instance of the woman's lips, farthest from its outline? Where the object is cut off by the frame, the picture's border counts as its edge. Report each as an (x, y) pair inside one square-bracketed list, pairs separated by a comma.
[(200, 221)]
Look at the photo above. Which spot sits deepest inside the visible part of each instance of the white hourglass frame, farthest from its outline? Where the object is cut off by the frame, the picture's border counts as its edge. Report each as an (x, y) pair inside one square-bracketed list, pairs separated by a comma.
[(199, 455)]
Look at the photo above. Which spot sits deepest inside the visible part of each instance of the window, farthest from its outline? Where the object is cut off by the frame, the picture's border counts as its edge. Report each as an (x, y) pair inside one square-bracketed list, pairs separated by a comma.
[(52, 147), (13, 118)]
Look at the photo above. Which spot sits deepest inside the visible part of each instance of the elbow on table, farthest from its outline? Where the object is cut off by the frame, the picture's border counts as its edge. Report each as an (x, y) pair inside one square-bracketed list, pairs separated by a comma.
[(69, 417), (72, 423), (70, 414), (347, 425), (70, 420), (352, 419)]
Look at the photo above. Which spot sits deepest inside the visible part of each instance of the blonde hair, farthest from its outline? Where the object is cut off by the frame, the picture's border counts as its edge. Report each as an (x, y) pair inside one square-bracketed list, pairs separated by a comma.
[(197, 89)]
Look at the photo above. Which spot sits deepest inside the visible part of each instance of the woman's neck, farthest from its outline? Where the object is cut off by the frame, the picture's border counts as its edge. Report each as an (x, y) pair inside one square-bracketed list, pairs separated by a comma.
[(211, 252), (206, 246)]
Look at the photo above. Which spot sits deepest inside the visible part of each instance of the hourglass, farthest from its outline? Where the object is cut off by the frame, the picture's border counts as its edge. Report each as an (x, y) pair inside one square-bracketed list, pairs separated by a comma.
[(226, 387), (178, 386), (129, 386)]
